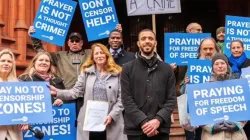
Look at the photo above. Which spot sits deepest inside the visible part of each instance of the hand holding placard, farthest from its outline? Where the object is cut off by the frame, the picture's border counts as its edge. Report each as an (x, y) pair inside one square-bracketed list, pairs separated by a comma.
[(53, 20), (99, 17)]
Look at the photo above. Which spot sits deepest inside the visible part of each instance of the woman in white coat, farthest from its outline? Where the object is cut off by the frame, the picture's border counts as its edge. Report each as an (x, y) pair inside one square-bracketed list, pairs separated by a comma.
[(99, 81), (8, 74)]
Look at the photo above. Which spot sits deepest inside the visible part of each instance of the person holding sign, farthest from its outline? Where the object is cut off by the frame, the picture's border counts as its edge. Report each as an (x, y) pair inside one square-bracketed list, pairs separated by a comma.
[(238, 58), (99, 82), (206, 50), (8, 74), (237, 61), (67, 63), (116, 48), (41, 69), (225, 130), (148, 92)]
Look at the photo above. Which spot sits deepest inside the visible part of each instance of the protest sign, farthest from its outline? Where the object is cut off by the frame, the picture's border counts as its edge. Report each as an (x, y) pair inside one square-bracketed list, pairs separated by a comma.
[(62, 127), (99, 17), (147, 7), (213, 102), (237, 28), (179, 48), (199, 71), (53, 19), (24, 103), (246, 74)]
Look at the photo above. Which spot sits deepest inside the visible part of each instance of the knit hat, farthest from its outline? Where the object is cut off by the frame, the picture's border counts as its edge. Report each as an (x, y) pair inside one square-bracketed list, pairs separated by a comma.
[(220, 29), (219, 56)]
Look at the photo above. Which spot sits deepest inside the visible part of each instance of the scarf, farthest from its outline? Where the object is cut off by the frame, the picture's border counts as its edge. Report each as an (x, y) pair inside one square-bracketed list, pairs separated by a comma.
[(221, 46), (46, 77), (237, 62)]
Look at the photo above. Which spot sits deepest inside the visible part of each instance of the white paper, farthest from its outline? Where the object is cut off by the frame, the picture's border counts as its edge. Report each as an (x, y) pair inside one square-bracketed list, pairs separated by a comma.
[(95, 115), (148, 7), (182, 109)]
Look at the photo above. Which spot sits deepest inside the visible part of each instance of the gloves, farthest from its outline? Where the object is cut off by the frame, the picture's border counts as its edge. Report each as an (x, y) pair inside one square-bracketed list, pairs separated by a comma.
[(231, 127), (218, 127)]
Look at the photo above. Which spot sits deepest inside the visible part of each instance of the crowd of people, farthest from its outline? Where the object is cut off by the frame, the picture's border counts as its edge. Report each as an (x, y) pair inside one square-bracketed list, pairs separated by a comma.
[(140, 89), (223, 68)]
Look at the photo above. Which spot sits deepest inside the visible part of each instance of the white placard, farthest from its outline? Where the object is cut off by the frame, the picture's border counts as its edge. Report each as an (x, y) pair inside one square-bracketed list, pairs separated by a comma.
[(182, 108), (147, 7), (95, 115)]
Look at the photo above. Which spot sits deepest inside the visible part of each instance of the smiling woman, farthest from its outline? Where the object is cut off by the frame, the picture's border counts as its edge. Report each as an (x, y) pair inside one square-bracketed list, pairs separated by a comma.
[(41, 69), (224, 128), (238, 58), (99, 81), (8, 74), (7, 63)]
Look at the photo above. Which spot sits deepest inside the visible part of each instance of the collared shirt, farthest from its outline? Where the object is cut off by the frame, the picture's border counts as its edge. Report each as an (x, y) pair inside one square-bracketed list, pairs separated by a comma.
[(112, 50)]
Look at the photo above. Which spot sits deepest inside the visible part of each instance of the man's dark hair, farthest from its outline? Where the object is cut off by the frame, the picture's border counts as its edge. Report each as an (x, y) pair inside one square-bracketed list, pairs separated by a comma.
[(145, 30), (115, 30)]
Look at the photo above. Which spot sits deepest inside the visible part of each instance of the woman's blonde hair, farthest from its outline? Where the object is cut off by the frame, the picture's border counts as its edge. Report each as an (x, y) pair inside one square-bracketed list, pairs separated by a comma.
[(30, 70), (111, 66), (12, 74)]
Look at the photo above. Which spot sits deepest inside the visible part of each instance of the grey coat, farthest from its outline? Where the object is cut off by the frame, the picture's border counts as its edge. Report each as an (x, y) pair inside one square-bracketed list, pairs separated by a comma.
[(115, 129)]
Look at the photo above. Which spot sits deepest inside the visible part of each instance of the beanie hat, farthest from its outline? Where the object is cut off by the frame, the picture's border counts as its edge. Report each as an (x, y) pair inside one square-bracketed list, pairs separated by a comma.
[(220, 29), (219, 56)]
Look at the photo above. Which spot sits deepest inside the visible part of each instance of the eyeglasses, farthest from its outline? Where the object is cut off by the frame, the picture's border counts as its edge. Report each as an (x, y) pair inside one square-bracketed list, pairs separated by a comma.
[(72, 41)]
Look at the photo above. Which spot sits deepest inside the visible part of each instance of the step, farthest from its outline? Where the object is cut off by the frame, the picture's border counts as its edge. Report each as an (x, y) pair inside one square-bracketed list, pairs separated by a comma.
[(176, 134), (176, 122), (177, 138), (176, 129), (176, 116)]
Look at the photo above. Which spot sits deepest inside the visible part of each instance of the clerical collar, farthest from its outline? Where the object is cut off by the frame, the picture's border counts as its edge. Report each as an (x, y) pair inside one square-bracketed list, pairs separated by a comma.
[(147, 57)]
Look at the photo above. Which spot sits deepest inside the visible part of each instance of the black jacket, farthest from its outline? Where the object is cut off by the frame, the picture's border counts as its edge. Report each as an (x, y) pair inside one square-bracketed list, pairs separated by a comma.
[(123, 56), (246, 63), (148, 92), (55, 81)]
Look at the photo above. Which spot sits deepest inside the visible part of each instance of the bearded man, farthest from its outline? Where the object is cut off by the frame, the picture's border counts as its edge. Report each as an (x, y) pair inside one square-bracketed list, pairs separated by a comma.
[(148, 93)]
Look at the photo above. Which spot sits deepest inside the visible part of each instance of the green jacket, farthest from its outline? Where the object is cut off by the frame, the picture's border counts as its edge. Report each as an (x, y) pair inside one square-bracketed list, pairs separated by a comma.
[(63, 62)]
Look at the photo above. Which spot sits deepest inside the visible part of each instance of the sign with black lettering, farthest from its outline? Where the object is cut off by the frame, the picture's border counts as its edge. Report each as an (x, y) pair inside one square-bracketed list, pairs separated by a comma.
[(147, 7)]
